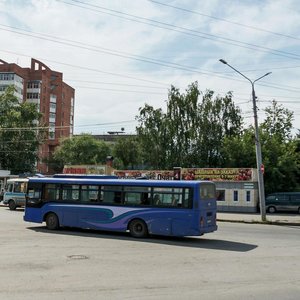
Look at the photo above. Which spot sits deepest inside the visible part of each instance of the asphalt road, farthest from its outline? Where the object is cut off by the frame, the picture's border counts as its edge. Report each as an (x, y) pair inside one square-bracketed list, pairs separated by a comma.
[(239, 261)]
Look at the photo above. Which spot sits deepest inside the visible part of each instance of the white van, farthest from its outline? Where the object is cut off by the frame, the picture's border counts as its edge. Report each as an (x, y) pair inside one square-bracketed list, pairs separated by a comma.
[(15, 192)]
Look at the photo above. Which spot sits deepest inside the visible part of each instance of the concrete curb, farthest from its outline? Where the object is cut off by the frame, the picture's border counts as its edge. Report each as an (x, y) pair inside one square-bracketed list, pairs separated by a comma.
[(279, 223)]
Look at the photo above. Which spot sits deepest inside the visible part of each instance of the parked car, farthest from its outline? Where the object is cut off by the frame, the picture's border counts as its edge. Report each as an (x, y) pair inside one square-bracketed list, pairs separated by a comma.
[(288, 202)]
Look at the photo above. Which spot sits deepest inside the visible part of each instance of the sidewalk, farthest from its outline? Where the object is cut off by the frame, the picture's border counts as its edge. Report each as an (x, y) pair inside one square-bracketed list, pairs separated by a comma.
[(279, 219)]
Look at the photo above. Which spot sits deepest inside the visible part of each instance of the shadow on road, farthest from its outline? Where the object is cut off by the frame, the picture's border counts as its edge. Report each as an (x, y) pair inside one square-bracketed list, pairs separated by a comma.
[(193, 242)]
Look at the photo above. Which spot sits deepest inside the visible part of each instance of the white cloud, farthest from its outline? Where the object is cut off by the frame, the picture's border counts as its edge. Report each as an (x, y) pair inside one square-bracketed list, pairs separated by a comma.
[(105, 103)]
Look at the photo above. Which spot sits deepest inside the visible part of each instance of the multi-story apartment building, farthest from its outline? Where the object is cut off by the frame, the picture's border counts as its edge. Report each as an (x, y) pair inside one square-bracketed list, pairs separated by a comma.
[(55, 99)]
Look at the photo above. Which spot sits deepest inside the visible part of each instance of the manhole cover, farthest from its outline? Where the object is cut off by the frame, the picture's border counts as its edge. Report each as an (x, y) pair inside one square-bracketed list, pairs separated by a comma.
[(76, 256)]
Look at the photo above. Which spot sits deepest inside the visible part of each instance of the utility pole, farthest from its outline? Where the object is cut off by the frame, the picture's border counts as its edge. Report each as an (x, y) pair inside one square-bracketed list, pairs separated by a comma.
[(261, 189)]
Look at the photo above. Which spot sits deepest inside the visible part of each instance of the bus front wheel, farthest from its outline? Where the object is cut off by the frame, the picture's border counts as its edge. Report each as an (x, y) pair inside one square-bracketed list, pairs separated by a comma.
[(12, 205), (52, 222), (138, 228)]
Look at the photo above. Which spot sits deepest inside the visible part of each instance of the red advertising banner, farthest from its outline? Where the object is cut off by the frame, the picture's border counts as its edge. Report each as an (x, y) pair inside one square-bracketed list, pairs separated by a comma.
[(213, 174), (217, 174), (154, 175), (84, 169)]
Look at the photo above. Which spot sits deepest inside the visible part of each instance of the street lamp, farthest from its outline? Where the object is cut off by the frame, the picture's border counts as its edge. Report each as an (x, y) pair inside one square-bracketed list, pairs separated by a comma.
[(259, 164)]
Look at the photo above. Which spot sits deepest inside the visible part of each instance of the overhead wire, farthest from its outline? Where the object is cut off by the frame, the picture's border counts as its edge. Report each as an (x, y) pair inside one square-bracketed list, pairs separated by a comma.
[(90, 69), (226, 20), (180, 29), (152, 60), (189, 70), (62, 127), (117, 84), (206, 73)]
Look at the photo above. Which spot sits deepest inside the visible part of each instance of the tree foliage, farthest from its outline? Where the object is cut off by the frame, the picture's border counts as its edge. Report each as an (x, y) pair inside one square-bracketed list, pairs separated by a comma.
[(19, 137), (153, 136), (192, 130), (82, 149), (127, 152), (279, 150), (239, 151), (203, 130)]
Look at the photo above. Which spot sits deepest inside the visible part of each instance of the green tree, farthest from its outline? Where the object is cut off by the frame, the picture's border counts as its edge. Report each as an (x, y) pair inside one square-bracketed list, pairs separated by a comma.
[(278, 122), (181, 125), (19, 133), (152, 136), (127, 152), (219, 119), (82, 149), (279, 150), (192, 130), (239, 151)]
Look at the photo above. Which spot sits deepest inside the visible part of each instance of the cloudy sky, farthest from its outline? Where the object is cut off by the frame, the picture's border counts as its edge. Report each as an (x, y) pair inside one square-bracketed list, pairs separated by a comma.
[(121, 54)]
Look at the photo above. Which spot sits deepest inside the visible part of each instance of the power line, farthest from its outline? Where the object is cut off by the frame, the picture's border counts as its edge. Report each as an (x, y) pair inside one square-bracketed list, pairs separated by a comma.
[(62, 127), (118, 53), (264, 95), (297, 102), (90, 69), (263, 69), (276, 86), (117, 84), (108, 51), (119, 91), (182, 30), (225, 20)]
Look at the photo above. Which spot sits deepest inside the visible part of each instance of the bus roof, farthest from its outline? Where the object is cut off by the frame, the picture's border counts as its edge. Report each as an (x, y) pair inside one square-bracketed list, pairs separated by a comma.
[(132, 182), (17, 180)]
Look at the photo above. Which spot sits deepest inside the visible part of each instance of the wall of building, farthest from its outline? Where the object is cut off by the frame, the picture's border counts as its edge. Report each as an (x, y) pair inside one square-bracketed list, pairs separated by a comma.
[(55, 99)]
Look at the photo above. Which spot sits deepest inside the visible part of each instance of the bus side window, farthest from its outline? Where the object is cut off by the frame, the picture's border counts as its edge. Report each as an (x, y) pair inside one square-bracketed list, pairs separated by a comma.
[(17, 187), (35, 191), (118, 197), (51, 192), (145, 199), (187, 200), (10, 187), (23, 187)]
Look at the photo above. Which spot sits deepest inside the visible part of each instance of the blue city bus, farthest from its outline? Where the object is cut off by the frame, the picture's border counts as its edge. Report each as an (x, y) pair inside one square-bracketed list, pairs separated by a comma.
[(142, 207)]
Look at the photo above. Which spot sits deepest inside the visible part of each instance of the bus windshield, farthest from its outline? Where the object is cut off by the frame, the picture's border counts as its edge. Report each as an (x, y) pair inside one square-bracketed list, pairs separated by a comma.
[(142, 207)]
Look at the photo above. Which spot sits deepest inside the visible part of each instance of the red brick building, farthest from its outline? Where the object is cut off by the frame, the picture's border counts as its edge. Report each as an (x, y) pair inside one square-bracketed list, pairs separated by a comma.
[(55, 99)]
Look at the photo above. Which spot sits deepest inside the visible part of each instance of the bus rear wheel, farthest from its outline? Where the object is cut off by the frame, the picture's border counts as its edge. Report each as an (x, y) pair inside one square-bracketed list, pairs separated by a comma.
[(138, 228), (52, 221), (12, 205)]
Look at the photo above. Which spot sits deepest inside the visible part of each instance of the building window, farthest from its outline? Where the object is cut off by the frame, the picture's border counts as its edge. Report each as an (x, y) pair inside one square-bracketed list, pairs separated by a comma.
[(6, 76), (33, 96), (248, 196), (235, 196), (51, 131), (33, 84), (53, 98), (52, 107), (3, 88), (52, 117), (220, 195)]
